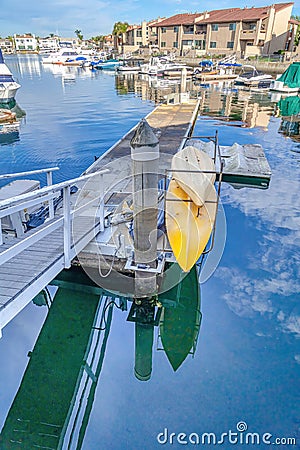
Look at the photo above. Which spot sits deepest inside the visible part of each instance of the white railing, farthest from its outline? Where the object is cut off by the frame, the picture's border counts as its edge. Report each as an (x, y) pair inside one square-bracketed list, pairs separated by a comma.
[(47, 171), (48, 193)]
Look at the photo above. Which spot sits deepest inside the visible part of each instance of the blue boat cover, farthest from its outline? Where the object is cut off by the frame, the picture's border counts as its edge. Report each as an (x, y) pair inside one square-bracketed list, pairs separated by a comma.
[(1, 57)]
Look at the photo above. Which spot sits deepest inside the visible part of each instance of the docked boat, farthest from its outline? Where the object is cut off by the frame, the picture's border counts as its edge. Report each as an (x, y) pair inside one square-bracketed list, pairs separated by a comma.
[(162, 66), (62, 56), (8, 86), (289, 81), (109, 64), (126, 68), (251, 77)]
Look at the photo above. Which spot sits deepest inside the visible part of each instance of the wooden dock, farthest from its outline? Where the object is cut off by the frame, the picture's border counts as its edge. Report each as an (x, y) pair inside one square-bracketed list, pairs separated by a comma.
[(30, 262)]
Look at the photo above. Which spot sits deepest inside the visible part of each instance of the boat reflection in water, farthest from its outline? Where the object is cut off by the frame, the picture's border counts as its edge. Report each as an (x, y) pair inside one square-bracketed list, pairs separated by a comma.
[(9, 129), (53, 404), (289, 110)]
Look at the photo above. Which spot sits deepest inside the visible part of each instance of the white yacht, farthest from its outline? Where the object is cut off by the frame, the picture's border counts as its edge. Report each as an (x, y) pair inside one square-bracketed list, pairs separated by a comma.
[(8, 86), (62, 56)]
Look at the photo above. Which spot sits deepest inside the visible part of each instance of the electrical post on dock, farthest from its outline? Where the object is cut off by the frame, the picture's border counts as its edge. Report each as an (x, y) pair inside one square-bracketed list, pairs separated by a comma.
[(145, 157)]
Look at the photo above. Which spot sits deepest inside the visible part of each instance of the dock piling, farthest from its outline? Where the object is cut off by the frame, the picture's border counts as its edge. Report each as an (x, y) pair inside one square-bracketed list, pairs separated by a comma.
[(145, 157)]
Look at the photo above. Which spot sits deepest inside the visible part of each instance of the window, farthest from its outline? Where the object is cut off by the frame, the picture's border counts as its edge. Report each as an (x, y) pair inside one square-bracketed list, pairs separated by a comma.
[(213, 45), (189, 30), (232, 26), (189, 43), (214, 27), (176, 29), (139, 33), (252, 26), (230, 44), (250, 44), (200, 45), (175, 44), (163, 29), (163, 44)]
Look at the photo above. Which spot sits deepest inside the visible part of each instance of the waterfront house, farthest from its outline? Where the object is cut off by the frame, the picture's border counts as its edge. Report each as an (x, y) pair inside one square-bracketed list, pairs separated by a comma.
[(25, 42), (7, 45), (244, 31), (48, 44)]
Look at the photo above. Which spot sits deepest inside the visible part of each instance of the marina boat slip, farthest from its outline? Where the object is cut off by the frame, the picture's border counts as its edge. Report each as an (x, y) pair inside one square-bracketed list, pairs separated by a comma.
[(52, 246), (8, 86)]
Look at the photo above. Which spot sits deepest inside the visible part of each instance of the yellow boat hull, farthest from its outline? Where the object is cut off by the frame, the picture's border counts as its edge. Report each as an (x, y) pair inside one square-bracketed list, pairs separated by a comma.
[(188, 226)]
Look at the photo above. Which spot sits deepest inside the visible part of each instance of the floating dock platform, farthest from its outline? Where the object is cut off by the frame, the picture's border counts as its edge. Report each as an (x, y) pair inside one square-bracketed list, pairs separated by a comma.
[(80, 231)]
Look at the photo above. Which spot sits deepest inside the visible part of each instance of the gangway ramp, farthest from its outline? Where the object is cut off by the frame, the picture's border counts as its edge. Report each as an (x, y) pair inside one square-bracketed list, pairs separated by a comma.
[(30, 262)]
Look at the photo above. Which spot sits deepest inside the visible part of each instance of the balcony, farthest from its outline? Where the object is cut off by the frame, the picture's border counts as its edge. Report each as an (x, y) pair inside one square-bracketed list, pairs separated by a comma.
[(248, 34)]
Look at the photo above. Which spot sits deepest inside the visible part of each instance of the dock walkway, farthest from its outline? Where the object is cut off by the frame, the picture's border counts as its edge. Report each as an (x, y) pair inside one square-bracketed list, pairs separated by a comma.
[(30, 262)]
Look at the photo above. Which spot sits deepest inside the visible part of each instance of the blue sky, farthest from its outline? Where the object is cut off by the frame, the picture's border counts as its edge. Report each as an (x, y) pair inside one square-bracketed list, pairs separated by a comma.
[(94, 17)]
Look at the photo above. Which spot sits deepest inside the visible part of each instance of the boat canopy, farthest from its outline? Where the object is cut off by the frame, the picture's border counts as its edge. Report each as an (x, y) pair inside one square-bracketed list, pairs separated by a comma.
[(1, 57), (205, 63), (291, 77), (230, 64)]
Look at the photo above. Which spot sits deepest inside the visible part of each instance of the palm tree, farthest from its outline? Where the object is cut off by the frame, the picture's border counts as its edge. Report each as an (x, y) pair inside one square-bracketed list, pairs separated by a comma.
[(79, 35), (119, 29)]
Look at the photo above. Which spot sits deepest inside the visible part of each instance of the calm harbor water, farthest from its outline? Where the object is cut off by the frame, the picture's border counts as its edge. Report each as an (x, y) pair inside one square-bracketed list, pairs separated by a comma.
[(247, 363)]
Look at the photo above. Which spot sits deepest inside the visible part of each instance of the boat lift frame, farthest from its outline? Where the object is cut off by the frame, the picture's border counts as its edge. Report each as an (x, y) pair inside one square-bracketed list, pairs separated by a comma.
[(218, 173)]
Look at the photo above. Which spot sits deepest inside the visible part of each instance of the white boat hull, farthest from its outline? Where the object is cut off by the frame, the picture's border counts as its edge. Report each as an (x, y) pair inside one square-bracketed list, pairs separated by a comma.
[(279, 86), (8, 91)]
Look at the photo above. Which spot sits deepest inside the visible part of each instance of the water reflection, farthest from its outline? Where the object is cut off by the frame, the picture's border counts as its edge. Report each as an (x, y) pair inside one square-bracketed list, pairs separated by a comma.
[(289, 110), (10, 134), (249, 342), (55, 399)]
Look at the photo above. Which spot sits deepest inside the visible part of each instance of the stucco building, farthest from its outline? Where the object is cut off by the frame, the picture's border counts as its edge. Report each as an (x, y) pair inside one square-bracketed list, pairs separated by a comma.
[(244, 31), (25, 42)]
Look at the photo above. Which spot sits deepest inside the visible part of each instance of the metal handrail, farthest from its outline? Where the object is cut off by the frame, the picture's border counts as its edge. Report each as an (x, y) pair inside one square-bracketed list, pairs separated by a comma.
[(39, 196), (40, 193), (25, 174)]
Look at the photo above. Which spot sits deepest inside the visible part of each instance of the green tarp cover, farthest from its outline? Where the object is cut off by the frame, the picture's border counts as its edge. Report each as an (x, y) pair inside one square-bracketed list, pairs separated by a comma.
[(291, 77), (289, 106)]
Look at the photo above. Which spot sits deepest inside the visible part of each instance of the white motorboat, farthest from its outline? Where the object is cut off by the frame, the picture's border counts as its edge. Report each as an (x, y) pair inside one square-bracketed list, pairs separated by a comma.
[(8, 86), (159, 66), (62, 56), (251, 77)]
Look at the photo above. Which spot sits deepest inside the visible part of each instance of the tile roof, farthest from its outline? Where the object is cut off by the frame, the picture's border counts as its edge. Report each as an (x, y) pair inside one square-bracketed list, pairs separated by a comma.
[(222, 15), (236, 14), (179, 19), (296, 22)]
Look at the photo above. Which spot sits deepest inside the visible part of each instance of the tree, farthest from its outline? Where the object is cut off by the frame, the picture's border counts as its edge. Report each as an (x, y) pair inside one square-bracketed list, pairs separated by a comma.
[(79, 34), (297, 34), (97, 39), (119, 29)]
